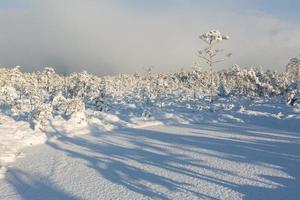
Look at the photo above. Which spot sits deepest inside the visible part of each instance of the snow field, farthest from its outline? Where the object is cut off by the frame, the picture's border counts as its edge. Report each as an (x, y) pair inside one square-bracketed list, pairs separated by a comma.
[(192, 161)]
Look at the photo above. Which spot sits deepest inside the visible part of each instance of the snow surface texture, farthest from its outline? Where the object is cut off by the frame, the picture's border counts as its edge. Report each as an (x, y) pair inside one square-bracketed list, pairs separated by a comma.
[(239, 152), (17, 135), (204, 161), (14, 137)]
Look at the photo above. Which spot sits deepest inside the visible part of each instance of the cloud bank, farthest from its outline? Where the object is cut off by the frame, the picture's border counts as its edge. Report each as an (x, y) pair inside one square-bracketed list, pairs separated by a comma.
[(123, 36)]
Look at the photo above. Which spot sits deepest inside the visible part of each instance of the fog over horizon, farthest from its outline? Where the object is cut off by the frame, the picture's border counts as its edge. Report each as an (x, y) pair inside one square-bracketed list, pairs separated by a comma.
[(108, 37)]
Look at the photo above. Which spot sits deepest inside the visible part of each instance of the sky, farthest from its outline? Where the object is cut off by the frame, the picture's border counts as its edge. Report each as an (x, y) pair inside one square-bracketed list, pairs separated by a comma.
[(126, 36)]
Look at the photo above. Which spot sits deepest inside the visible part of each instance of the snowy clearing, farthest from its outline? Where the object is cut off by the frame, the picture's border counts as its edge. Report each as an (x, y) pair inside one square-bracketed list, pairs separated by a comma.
[(200, 161), (193, 134)]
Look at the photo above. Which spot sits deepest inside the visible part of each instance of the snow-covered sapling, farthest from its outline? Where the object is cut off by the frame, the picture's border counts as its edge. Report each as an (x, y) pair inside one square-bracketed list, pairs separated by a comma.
[(210, 54)]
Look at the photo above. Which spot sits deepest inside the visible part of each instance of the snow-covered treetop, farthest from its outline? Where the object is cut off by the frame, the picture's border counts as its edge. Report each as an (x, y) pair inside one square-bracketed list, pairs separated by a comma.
[(213, 35), (293, 69), (48, 70)]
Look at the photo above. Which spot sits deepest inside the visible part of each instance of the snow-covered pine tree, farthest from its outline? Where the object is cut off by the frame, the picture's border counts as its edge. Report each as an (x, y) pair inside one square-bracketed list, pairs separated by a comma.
[(222, 91), (209, 54), (293, 69)]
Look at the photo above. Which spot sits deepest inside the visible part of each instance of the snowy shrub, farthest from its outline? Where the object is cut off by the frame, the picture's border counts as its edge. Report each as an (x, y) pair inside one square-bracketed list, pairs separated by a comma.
[(222, 91), (21, 108), (40, 115), (293, 93), (59, 104), (146, 114), (73, 106), (8, 95), (99, 104), (37, 96)]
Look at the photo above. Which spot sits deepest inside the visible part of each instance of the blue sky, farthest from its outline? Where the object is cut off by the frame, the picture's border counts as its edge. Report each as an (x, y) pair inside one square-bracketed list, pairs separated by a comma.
[(126, 35), (287, 9), (13, 4)]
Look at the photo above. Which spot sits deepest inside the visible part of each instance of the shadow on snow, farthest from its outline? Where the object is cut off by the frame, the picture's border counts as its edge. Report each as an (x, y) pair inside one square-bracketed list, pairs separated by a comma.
[(150, 147)]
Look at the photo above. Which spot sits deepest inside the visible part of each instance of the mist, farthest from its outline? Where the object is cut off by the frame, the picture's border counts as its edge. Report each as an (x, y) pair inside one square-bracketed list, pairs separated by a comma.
[(109, 37)]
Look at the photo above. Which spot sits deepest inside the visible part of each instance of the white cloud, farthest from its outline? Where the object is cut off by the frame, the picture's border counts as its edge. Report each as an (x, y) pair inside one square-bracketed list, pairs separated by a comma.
[(107, 36)]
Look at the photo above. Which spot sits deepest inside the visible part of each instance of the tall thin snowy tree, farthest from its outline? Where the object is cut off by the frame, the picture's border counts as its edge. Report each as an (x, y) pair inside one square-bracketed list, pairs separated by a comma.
[(210, 53)]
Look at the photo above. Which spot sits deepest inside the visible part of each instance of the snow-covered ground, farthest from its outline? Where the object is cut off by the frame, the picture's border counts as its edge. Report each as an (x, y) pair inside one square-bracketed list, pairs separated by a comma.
[(203, 161), (14, 136), (249, 152), (17, 135)]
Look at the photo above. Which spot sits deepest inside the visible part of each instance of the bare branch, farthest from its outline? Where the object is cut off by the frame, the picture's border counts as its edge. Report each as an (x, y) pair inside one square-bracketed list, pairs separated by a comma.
[(204, 58), (217, 61)]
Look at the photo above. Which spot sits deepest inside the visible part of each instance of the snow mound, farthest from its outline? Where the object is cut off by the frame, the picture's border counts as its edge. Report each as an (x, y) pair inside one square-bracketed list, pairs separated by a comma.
[(16, 135)]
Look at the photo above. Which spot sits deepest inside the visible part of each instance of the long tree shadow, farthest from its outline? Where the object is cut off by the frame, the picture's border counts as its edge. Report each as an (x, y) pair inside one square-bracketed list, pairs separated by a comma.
[(262, 146), (34, 188), (122, 157), (112, 161)]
